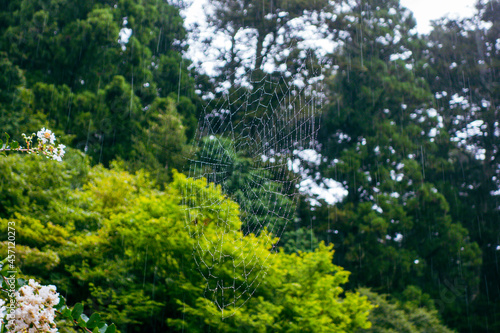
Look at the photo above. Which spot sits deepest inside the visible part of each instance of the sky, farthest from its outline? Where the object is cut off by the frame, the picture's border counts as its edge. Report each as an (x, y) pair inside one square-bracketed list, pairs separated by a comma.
[(427, 10)]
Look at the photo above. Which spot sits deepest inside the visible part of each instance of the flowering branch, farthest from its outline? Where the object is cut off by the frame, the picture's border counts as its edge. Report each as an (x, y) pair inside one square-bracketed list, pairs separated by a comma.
[(34, 308), (45, 145)]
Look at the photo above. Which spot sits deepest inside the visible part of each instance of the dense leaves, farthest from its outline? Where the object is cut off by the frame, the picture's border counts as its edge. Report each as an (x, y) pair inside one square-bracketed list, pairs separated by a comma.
[(127, 252)]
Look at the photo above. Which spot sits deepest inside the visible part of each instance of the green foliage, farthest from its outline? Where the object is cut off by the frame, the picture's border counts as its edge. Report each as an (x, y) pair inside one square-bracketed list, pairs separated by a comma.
[(421, 208), (91, 87), (462, 51), (414, 314), (395, 228), (126, 251), (16, 113), (262, 196), (31, 185), (161, 144)]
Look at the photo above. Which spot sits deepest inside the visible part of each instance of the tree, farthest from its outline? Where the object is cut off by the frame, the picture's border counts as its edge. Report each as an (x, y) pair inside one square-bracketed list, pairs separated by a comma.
[(387, 144), (265, 196), (16, 113), (268, 24), (89, 66), (161, 145), (461, 67)]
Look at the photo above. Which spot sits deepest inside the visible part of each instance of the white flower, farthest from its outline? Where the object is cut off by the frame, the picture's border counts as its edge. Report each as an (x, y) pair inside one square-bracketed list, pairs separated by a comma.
[(35, 308), (60, 150), (3, 312), (58, 153), (46, 135), (45, 145)]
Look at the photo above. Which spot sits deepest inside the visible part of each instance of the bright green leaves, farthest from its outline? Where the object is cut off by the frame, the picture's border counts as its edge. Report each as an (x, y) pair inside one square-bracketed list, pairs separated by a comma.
[(93, 324), (140, 265)]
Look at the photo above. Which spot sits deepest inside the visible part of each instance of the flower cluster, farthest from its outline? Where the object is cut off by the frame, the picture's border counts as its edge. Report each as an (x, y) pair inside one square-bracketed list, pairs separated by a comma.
[(46, 146), (35, 311)]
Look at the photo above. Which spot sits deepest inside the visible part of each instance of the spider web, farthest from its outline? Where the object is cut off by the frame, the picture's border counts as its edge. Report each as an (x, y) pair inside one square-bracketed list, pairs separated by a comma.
[(267, 119)]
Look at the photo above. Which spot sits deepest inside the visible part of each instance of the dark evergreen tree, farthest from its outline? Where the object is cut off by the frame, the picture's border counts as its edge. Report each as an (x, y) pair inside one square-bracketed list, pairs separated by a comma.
[(462, 68), (387, 144)]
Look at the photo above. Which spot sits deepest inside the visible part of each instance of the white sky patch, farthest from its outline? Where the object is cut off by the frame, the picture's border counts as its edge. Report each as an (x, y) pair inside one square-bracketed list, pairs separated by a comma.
[(495, 193), (457, 100), (312, 36), (474, 128), (124, 36), (396, 176), (194, 16), (377, 208), (314, 187), (292, 165), (441, 94), (426, 10), (329, 190), (309, 155), (432, 112), (403, 56)]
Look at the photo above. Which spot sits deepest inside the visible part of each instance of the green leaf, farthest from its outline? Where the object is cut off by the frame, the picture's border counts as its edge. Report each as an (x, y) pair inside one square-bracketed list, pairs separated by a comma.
[(93, 321), (111, 329), (15, 145), (21, 282), (66, 313), (77, 311), (82, 320), (1, 143), (81, 323), (61, 304), (103, 328)]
